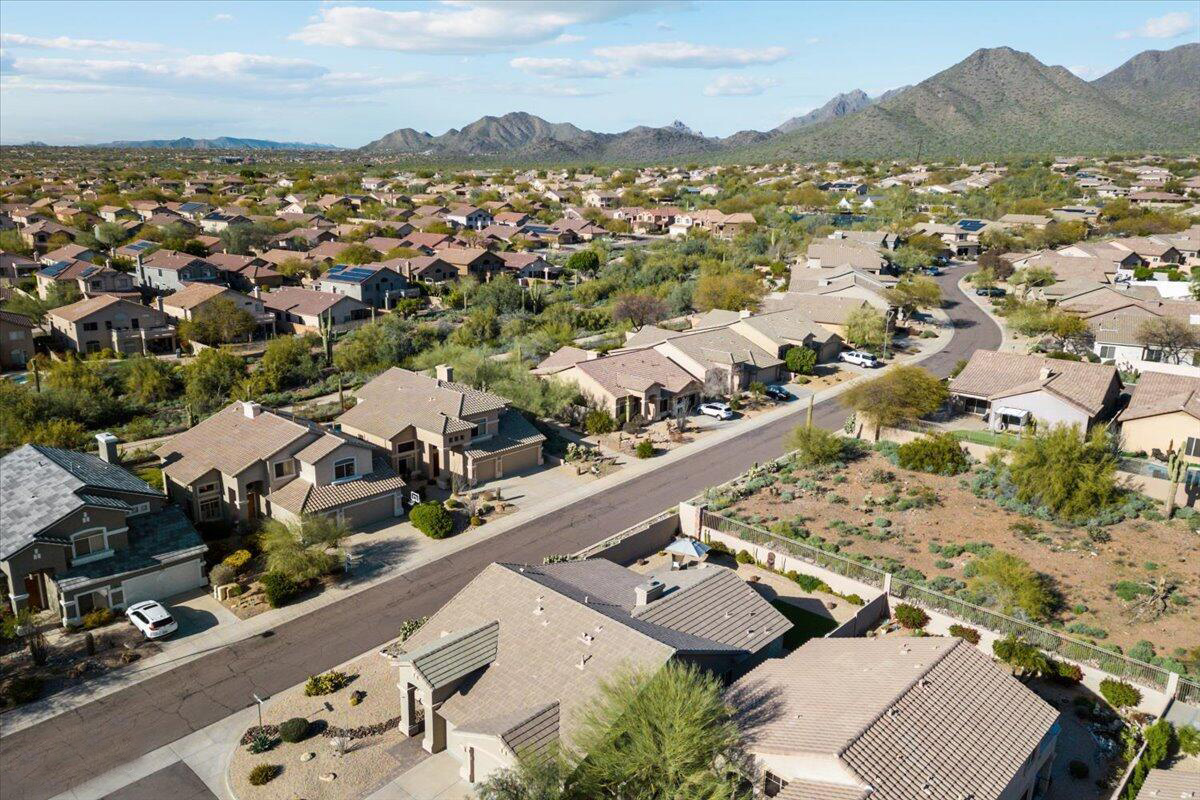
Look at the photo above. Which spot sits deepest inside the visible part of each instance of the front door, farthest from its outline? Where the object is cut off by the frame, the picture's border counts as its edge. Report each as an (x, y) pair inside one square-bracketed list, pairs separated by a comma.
[(253, 492), (434, 466), (33, 588)]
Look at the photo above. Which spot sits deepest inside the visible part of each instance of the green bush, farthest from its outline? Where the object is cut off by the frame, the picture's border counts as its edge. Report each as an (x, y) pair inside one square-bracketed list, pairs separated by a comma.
[(98, 618), (294, 730), (260, 742), (801, 360), (432, 519), (910, 616), (326, 683), (963, 632), (23, 689), (598, 422), (278, 588), (645, 449), (815, 446), (1065, 672), (1189, 740), (1119, 694), (221, 574), (809, 583), (237, 560), (264, 773), (744, 557), (938, 453)]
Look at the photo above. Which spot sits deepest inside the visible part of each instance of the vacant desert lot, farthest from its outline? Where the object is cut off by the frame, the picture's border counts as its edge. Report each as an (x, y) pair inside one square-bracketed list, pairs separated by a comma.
[(904, 521)]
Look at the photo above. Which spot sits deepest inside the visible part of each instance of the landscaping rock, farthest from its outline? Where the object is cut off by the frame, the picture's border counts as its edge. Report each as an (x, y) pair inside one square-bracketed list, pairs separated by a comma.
[(329, 777), (308, 756)]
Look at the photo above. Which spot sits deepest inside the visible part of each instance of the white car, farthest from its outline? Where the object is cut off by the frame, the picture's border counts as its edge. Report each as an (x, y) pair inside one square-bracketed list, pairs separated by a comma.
[(859, 357), (151, 619), (718, 410)]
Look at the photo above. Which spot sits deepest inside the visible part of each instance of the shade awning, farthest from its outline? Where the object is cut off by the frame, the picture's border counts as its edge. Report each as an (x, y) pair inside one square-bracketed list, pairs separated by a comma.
[(1008, 411), (687, 547)]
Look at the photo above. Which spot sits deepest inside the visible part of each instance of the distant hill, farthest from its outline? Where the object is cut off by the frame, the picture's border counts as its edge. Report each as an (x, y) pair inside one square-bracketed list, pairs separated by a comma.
[(522, 136), (219, 143), (1163, 83), (839, 106), (1002, 102)]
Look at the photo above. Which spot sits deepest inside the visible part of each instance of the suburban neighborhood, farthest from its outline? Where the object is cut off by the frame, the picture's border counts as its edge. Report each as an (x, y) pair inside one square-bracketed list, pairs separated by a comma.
[(856, 458)]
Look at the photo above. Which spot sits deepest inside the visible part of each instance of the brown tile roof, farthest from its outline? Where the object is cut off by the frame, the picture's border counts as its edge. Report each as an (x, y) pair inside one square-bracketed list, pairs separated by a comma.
[(907, 718), (398, 398), (301, 497), (564, 357), (85, 308), (1171, 784), (636, 370), (194, 294), (515, 433), (1163, 393), (302, 302), (990, 374), (822, 310), (228, 441)]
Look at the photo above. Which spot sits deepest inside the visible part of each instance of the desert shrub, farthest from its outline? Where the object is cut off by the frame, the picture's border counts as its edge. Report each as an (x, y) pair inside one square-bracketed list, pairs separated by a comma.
[(1078, 770), (260, 742), (809, 583), (853, 599), (1083, 629), (815, 446), (357, 697), (744, 557), (599, 421), (294, 730), (98, 618), (326, 683), (1065, 672), (801, 360), (1119, 694), (278, 588), (237, 560), (645, 449), (432, 519), (23, 689), (1189, 740), (882, 522), (221, 574), (234, 591), (1014, 584), (475, 521), (264, 773), (965, 633), (1071, 475), (938, 453), (910, 616)]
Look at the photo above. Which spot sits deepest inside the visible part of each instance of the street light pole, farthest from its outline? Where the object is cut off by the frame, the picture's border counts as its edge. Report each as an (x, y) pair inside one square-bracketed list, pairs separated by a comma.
[(260, 701)]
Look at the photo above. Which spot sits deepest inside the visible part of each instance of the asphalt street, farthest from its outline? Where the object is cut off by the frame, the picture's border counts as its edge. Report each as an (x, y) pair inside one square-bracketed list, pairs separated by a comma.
[(67, 750)]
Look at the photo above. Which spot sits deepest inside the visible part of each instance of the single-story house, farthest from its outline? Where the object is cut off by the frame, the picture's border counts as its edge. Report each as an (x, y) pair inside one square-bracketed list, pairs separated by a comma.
[(301, 310), (1163, 414)]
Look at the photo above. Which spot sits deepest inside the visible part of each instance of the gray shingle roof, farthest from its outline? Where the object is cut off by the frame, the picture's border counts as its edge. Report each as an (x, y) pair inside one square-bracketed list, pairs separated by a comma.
[(41, 485), (153, 539), (455, 656)]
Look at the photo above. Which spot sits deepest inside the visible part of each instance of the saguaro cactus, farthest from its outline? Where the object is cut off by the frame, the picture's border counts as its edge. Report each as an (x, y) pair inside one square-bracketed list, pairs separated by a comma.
[(1176, 466)]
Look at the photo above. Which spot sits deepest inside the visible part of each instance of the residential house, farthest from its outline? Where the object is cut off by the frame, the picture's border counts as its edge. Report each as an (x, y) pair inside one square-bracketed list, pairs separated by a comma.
[(114, 323), (441, 429), (377, 285), (894, 719), (725, 361), (423, 269), (218, 221), (168, 270), (632, 383), (68, 252), (16, 340), (529, 266), (15, 267), (1013, 389), (512, 663), (244, 463), (472, 261), (780, 331), (598, 199), (832, 254), (79, 533), (829, 311), (302, 311), (40, 233), (1037, 221), (1117, 334), (467, 216), (1163, 415), (191, 300), (88, 278)]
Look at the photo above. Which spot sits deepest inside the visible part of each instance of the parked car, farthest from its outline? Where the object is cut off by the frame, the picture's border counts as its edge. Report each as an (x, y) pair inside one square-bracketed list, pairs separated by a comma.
[(990, 291), (777, 392), (151, 619), (933, 271), (718, 410), (860, 358)]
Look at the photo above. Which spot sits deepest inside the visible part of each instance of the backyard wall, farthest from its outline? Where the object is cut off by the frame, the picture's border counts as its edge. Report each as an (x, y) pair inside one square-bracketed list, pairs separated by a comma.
[(864, 619), (641, 540)]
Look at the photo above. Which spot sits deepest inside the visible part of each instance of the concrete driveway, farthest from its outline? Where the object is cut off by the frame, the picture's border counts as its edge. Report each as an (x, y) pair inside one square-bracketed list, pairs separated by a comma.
[(195, 611)]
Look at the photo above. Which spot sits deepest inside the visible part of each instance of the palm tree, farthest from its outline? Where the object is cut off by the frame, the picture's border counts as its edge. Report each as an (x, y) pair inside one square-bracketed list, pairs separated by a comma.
[(303, 550)]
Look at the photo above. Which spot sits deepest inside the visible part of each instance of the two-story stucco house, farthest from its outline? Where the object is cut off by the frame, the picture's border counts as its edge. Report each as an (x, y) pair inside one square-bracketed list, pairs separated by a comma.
[(80, 533), (106, 321), (169, 271), (244, 463), (441, 429), (302, 311), (16, 340), (375, 285)]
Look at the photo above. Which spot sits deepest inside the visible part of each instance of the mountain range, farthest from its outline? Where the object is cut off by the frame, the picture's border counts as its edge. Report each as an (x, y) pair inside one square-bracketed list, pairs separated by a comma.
[(218, 143), (996, 102)]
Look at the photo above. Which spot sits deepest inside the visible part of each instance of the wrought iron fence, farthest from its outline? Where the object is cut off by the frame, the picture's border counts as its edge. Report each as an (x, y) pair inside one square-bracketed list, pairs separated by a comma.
[(1051, 641), (1188, 692)]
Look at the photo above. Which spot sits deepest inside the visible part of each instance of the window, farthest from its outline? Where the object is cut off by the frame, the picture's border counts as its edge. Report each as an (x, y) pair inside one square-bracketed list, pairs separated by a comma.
[(108, 324), (284, 468), (1108, 351), (89, 544), (1152, 355), (343, 469), (135, 323), (210, 509), (773, 784), (208, 488), (91, 326), (406, 447), (1192, 448)]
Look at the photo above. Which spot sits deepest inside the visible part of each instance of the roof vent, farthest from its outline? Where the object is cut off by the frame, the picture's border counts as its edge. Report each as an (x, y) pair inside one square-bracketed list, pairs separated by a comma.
[(1044, 374), (251, 410), (586, 637), (444, 372), (648, 592), (583, 659)]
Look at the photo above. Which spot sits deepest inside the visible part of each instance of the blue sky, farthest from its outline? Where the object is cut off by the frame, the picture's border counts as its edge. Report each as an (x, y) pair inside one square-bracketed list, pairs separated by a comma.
[(84, 72)]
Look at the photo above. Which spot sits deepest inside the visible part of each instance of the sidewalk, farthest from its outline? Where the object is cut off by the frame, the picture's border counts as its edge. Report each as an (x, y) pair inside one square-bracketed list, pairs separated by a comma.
[(225, 635)]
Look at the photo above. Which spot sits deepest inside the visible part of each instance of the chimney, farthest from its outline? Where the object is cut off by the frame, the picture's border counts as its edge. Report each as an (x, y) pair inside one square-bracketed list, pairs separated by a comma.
[(745, 312), (108, 447), (257, 292), (646, 593), (158, 302), (444, 372), (1044, 373), (251, 410)]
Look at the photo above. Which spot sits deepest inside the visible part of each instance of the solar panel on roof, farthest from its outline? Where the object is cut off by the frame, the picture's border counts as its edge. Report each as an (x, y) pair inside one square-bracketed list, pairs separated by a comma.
[(56, 269), (970, 224), (88, 271)]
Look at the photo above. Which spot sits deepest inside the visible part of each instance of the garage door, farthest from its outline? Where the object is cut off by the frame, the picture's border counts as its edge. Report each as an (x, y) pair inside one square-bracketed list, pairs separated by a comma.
[(485, 470), (164, 583)]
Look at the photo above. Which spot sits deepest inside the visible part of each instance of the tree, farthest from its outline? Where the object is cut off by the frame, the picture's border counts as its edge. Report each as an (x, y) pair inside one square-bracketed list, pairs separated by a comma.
[(288, 361), (1001, 268), (1070, 474), (1069, 332), (983, 278), (902, 394), (732, 291), (661, 735), (219, 321), (72, 375), (1030, 278), (915, 293), (535, 777), (303, 550), (1014, 584), (638, 309), (357, 253), (585, 262), (866, 327), (211, 377), (1025, 660), (801, 360), (149, 380), (241, 239), (110, 234), (480, 327), (1172, 337), (815, 446)]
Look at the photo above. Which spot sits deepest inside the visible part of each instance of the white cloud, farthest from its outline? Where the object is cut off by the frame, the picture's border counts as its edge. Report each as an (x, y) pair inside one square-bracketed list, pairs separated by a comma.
[(567, 68), (738, 86), (222, 17), (686, 54), (1085, 71), (67, 43), (461, 26), (567, 38), (1168, 26)]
